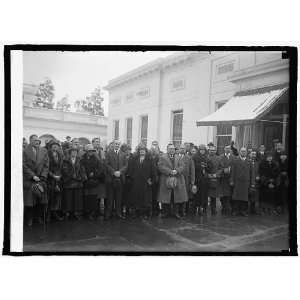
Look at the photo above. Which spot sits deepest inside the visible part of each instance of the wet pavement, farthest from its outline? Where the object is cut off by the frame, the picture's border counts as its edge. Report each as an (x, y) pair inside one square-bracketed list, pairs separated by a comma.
[(195, 234)]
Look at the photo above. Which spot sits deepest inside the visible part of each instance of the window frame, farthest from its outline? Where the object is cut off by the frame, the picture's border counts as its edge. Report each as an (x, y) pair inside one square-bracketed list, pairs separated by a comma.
[(173, 114)]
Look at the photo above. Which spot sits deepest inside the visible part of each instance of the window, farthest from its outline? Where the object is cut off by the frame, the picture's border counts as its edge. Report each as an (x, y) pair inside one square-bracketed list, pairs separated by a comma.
[(129, 97), (116, 129), (143, 93), (178, 84), (144, 129), (224, 134), (177, 127), (129, 131), (225, 68)]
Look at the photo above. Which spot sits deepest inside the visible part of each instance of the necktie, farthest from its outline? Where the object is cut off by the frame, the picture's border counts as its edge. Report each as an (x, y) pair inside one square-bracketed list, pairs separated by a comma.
[(34, 152)]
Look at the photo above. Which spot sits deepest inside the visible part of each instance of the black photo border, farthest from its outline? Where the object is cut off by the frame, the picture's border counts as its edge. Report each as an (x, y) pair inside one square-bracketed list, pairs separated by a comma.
[(288, 52)]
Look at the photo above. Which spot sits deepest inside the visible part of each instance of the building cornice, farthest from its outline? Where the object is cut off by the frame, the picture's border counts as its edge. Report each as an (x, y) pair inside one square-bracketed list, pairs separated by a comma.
[(269, 67), (156, 65)]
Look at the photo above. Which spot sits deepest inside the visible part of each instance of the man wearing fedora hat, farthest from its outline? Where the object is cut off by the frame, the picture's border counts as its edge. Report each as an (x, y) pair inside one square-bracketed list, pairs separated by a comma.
[(94, 169), (54, 180), (35, 171)]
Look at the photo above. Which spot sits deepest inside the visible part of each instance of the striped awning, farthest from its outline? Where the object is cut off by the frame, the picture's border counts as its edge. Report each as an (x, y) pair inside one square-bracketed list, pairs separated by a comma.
[(244, 109)]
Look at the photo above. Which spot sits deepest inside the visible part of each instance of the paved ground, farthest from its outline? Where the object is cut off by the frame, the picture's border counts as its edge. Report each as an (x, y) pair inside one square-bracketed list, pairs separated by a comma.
[(254, 233)]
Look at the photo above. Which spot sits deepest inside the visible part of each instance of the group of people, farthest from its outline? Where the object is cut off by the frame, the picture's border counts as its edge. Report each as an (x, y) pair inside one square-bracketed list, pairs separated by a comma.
[(66, 180)]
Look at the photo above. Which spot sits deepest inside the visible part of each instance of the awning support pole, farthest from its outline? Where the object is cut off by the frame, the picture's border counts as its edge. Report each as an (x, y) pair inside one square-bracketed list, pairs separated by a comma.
[(284, 126)]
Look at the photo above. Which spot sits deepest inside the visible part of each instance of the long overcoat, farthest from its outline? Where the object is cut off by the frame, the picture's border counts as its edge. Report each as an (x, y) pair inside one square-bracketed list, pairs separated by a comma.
[(138, 174), (101, 189), (73, 175), (115, 162), (202, 165), (240, 177), (92, 165), (188, 172), (55, 165), (34, 165), (214, 183), (225, 163), (165, 167), (268, 174)]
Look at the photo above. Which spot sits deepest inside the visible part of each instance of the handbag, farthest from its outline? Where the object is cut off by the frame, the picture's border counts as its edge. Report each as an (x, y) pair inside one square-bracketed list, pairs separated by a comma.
[(37, 190), (171, 182)]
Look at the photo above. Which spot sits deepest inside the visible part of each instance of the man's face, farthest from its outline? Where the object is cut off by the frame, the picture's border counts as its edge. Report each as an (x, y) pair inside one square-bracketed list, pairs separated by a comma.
[(187, 147), (96, 143), (142, 152), (75, 143), (283, 157), (117, 145), (68, 139), (155, 143), (253, 154), (262, 148), (54, 147), (194, 151), (243, 152), (35, 141), (182, 149), (227, 149), (171, 149), (73, 153), (279, 147), (202, 151), (212, 150), (269, 158)]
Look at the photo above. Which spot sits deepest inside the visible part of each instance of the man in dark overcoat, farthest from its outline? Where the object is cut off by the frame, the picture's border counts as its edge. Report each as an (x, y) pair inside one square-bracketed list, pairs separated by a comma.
[(101, 188), (55, 181), (116, 164), (269, 171), (254, 205), (155, 154), (35, 173), (141, 175), (94, 170), (214, 178), (261, 153), (188, 173), (73, 176), (171, 169), (202, 166), (240, 180), (226, 160)]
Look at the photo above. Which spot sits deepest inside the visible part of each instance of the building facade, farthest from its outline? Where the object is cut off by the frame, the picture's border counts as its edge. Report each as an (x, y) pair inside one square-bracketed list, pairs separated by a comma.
[(55, 124), (164, 100)]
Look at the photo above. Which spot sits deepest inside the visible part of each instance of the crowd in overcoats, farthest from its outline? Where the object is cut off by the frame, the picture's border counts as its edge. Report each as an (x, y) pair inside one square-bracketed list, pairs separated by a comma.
[(64, 181)]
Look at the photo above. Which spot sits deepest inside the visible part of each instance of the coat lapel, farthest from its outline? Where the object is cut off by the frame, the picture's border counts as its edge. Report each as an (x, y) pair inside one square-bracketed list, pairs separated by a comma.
[(169, 161), (30, 153)]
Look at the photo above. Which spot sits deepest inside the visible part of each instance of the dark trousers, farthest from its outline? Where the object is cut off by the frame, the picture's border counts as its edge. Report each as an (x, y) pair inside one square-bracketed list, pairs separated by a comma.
[(172, 208), (114, 200), (34, 212), (155, 205), (225, 202), (213, 205), (254, 205), (239, 206)]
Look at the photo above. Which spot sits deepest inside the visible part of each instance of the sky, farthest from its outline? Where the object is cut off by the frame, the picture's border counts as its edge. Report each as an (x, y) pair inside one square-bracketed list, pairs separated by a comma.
[(77, 74)]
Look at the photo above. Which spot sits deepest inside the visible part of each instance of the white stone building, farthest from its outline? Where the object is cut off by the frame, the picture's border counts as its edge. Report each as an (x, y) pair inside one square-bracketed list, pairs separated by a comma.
[(52, 123), (164, 99)]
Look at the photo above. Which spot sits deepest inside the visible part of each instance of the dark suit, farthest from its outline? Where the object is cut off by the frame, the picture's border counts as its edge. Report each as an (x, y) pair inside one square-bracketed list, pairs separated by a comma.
[(34, 165), (115, 162)]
